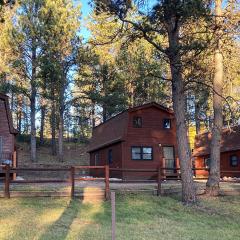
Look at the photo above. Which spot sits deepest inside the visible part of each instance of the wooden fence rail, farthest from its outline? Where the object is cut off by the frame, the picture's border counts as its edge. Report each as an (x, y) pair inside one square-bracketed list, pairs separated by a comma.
[(161, 175)]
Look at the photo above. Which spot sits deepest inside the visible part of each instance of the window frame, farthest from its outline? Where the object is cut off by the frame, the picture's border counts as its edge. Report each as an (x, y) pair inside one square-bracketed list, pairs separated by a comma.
[(141, 153), (205, 160), (170, 121), (135, 120), (231, 161)]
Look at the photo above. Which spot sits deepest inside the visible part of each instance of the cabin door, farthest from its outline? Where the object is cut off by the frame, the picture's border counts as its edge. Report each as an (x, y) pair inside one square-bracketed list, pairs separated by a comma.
[(168, 154)]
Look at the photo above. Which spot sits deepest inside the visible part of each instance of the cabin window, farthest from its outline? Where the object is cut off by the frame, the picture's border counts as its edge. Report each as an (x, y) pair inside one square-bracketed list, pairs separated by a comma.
[(167, 123), (234, 160), (142, 153), (207, 162), (110, 156), (137, 122), (147, 153), (136, 153), (96, 159)]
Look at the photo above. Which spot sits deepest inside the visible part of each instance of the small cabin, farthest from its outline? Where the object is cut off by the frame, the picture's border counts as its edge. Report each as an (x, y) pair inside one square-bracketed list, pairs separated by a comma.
[(7, 134), (142, 137), (230, 152)]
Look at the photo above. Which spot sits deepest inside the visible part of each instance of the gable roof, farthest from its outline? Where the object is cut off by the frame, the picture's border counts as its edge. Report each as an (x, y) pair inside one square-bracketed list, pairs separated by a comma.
[(113, 130), (132, 109), (230, 141), (9, 115)]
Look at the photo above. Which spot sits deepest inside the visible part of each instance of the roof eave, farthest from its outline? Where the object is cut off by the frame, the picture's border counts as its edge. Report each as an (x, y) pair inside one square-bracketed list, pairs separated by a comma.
[(106, 145)]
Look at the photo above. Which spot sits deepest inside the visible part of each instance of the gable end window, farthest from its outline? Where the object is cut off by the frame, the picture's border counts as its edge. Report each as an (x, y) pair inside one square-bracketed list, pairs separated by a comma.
[(207, 162), (234, 161), (137, 122), (142, 153), (166, 123)]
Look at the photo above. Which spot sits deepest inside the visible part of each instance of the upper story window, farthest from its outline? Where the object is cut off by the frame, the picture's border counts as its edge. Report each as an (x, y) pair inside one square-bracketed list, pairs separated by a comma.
[(137, 122), (142, 153), (207, 162), (110, 156), (234, 161), (167, 123)]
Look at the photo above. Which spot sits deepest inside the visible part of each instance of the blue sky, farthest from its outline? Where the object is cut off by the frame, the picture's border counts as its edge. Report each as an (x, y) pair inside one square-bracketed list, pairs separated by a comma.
[(86, 10)]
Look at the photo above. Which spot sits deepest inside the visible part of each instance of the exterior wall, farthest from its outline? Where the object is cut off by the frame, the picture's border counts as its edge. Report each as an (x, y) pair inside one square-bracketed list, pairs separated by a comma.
[(103, 160), (225, 164), (151, 134), (109, 131), (8, 138)]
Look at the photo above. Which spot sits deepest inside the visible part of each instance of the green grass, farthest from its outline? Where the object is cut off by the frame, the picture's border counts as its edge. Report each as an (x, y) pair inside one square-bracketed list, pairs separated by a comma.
[(138, 217)]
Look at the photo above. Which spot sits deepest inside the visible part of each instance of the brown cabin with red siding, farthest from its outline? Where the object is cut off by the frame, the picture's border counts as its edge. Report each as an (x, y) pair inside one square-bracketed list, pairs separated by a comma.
[(142, 137), (7, 132), (230, 152)]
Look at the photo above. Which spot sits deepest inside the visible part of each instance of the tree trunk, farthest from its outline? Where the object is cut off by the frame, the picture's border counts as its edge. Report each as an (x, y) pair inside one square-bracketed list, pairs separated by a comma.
[(93, 115), (33, 104), (42, 126), (53, 125), (19, 115), (60, 137), (104, 112), (197, 121), (61, 121), (43, 113), (184, 153), (214, 174), (179, 100)]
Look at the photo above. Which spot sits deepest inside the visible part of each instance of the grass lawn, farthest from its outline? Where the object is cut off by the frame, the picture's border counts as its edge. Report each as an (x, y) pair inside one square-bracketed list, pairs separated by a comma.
[(138, 217)]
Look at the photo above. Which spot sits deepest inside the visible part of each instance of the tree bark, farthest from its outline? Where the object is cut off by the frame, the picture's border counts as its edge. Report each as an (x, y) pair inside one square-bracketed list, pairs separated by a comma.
[(197, 121), (19, 115), (42, 124), (212, 186), (179, 100), (43, 113), (93, 115), (61, 120), (33, 104), (104, 112), (53, 123)]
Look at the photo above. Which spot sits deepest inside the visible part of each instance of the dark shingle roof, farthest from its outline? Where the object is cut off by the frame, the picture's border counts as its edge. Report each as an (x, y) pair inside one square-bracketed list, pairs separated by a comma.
[(230, 141)]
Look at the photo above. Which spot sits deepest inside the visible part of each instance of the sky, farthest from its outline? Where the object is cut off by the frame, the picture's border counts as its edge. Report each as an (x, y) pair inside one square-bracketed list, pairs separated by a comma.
[(86, 10)]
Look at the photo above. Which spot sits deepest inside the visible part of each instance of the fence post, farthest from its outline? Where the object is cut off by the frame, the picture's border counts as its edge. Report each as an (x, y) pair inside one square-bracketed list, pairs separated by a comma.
[(7, 181), (72, 181), (14, 164), (107, 187), (159, 181), (113, 215)]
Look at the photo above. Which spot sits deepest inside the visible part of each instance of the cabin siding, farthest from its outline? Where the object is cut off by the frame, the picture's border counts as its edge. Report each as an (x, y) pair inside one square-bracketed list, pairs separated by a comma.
[(225, 164), (151, 134), (103, 160), (8, 138)]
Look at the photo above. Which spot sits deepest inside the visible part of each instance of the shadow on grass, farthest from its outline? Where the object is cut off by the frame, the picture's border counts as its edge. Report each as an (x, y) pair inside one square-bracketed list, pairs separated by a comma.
[(60, 228)]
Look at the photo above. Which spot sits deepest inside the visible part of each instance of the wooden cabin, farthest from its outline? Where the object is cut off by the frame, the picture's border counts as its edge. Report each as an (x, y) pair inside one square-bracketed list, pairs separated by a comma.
[(230, 152), (7, 133), (142, 137)]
